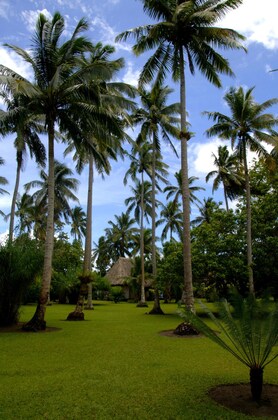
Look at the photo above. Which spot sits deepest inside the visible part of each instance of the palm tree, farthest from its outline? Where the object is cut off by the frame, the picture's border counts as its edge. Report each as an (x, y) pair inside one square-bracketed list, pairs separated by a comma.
[(140, 202), (3, 180), (17, 120), (246, 128), (65, 186), (209, 206), (119, 236), (156, 119), (171, 217), (78, 223), (113, 98), (175, 191), (185, 28), (53, 94), (227, 173)]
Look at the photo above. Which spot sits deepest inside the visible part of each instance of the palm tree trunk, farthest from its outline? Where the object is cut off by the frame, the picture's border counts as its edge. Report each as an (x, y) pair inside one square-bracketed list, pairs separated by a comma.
[(226, 199), (256, 382), (38, 322), (143, 298), (87, 265), (12, 216), (249, 226), (78, 314), (187, 296), (156, 310)]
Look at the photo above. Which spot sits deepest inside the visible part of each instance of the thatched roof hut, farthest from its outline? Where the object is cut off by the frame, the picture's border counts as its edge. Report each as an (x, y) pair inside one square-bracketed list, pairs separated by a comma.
[(119, 271)]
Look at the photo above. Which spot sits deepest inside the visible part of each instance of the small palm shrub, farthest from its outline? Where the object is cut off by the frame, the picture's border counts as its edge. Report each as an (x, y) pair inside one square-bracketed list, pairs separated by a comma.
[(248, 329)]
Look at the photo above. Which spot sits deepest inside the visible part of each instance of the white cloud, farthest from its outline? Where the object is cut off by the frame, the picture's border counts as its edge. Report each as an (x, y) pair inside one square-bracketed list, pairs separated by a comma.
[(131, 76), (30, 17), (4, 8), (107, 33), (14, 62), (256, 20)]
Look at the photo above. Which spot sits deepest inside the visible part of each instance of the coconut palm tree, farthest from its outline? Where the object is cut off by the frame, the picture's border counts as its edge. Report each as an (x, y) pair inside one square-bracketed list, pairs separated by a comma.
[(157, 119), (140, 202), (119, 235), (171, 217), (3, 180), (227, 172), (206, 210), (113, 97), (78, 223), (185, 32), (65, 186), (57, 83), (175, 191), (247, 128), (17, 120), (61, 93)]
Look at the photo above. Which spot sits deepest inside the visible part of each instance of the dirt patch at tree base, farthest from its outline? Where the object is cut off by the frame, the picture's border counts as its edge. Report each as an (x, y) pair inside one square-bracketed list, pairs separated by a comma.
[(171, 333), (17, 328), (237, 397)]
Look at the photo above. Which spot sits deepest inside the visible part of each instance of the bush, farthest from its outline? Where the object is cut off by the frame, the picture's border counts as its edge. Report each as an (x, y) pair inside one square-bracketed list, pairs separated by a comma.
[(20, 262)]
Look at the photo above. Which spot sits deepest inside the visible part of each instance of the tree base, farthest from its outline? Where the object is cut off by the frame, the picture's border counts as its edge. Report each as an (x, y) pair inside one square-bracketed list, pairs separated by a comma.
[(156, 311), (34, 325), (185, 328), (75, 316), (142, 305)]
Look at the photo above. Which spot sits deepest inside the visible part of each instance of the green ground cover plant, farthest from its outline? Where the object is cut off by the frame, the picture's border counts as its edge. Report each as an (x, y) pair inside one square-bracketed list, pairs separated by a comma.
[(116, 365)]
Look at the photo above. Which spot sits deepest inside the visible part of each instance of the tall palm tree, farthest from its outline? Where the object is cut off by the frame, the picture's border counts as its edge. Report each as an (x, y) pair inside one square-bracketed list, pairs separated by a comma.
[(175, 191), (17, 120), (78, 223), (171, 217), (185, 29), (227, 173), (246, 128), (61, 93), (54, 88), (157, 119), (140, 202), (113, 97)]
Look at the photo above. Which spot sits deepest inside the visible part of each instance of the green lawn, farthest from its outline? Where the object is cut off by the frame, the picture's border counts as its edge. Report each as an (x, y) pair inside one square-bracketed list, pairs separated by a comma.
[(114, 365)]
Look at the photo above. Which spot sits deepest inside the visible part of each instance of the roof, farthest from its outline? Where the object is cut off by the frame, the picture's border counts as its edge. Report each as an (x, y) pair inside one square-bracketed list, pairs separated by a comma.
[(119, 271)]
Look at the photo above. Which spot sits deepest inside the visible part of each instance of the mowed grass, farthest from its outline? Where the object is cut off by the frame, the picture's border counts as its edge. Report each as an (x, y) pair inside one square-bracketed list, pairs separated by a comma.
[(114, 365)]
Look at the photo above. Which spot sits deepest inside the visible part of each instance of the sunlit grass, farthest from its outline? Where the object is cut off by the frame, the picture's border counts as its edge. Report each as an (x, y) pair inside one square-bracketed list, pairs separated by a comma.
[(113, 365)]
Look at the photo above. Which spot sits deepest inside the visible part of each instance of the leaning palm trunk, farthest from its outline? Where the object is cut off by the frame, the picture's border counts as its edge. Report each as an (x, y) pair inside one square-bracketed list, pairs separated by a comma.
[(85, 278), (187, 296), (142, 246), (16, 187), (156, 310), (248, 226), (38, 322)]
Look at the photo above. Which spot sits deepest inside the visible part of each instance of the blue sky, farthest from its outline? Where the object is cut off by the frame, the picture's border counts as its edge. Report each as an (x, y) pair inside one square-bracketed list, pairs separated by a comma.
[(107, 18)]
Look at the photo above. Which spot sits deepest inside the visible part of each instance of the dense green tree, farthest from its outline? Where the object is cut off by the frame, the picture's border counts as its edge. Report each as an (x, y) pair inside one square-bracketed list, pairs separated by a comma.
[(247, 128), (185, 33)]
